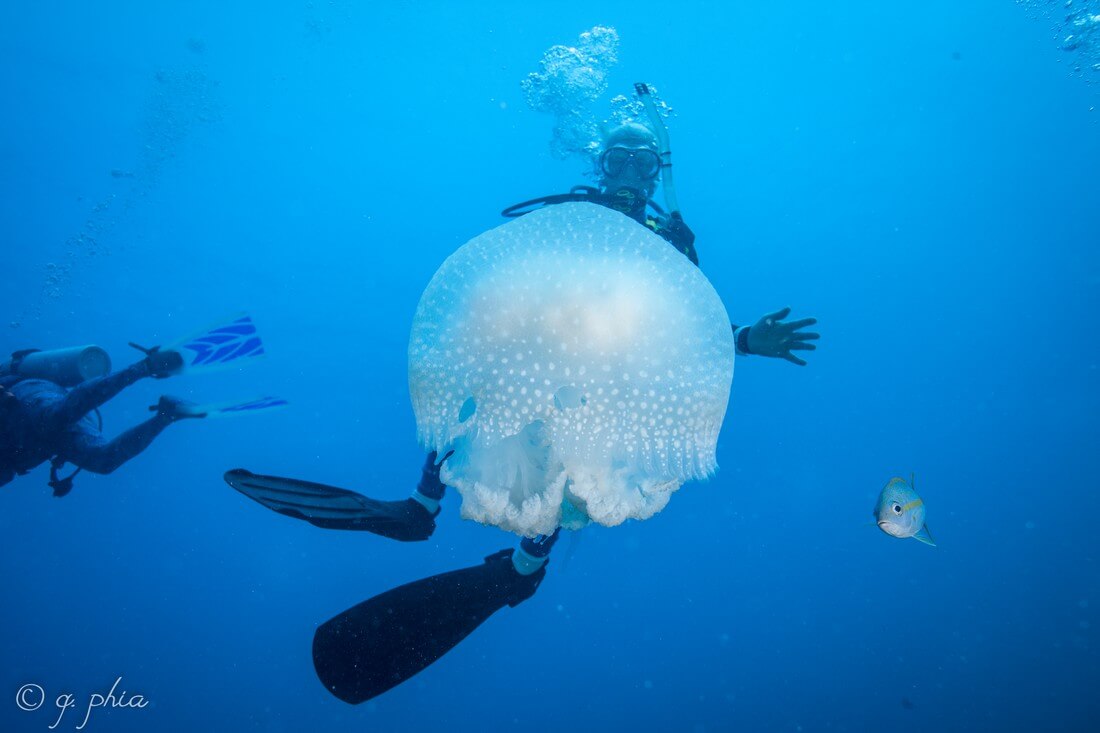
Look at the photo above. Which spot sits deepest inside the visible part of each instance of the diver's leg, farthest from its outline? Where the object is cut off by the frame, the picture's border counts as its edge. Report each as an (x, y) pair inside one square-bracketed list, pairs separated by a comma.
[(87, 448), (533, 553), (385, 640), (89, 395), (330, 507), (429, 492)]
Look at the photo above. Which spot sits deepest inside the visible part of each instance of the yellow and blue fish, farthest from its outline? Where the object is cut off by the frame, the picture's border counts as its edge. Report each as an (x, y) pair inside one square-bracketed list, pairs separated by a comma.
[(900, 511)]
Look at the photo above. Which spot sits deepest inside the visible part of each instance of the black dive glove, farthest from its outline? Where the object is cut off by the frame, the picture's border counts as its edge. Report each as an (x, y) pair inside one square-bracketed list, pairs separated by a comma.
[(430, 485), (772, 336), (161, 364), (174, 408), (681, 237)]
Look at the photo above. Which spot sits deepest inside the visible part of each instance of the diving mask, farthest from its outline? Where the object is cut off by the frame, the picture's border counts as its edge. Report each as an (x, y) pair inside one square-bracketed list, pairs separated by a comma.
[(645, 162)]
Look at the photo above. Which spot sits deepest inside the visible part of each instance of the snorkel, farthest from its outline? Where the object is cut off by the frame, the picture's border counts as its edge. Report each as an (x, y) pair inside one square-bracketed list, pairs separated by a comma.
[(659, 129)]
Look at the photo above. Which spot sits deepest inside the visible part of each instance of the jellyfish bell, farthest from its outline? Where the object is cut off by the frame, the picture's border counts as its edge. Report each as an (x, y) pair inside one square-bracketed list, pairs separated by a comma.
[(578, 366)]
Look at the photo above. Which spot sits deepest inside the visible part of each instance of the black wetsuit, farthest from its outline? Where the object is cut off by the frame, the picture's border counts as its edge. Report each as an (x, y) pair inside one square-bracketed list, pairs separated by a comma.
[(47, 421)]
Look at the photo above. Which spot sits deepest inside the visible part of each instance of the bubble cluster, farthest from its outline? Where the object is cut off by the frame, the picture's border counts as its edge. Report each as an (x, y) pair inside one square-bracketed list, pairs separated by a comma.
[(570, 79), (1077, 28), (631, 109), (1083, 27)]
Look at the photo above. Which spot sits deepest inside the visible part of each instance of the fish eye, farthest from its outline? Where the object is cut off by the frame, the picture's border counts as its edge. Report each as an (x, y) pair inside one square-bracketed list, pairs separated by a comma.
[(897, 508)]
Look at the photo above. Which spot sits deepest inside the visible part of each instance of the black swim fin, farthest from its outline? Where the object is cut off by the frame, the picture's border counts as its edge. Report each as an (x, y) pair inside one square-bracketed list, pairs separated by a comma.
[(384, 641), (331, 508)]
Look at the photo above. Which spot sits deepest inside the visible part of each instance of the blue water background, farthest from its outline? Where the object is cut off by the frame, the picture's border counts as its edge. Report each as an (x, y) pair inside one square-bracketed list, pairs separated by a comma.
[(921, 178)]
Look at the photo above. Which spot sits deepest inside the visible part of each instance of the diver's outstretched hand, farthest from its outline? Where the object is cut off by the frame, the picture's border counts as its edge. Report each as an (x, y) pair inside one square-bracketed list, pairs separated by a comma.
[(771, 337)]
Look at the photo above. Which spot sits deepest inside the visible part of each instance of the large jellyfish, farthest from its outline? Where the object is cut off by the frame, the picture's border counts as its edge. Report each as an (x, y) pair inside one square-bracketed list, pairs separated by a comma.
[(578, 366)]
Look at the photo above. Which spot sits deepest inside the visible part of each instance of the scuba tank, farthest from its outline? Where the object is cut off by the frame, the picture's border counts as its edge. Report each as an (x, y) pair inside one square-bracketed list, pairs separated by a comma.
[(67, 367)]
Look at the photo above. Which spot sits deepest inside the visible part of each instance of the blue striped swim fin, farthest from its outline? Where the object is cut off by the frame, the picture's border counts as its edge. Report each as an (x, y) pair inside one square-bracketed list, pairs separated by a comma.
[(236, 408), (231, 342)]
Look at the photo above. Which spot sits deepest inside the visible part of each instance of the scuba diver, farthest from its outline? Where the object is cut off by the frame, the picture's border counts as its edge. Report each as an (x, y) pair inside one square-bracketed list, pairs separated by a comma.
[(46, 404), (387, 639), (48, 399), (633, 159)]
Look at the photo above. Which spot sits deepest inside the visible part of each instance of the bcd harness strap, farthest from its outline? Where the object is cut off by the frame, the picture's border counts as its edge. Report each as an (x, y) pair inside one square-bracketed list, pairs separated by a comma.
[(625, 200), (61, 486)]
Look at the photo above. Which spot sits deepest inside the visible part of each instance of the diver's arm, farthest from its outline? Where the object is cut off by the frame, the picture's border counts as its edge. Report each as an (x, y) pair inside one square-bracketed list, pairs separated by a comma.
[(740, 339), (86, 448), (93, 393)]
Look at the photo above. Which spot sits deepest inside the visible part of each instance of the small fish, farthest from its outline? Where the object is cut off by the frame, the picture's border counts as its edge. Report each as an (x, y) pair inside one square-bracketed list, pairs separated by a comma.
[(900, 512)]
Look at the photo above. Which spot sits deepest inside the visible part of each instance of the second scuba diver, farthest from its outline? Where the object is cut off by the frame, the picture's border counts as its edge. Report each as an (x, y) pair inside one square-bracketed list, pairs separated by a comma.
[(46, 413), (48, 398), (385, 640)]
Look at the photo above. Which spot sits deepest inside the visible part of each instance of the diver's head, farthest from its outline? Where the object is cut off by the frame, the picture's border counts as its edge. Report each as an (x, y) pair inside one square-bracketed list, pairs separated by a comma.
[(630, 158)]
